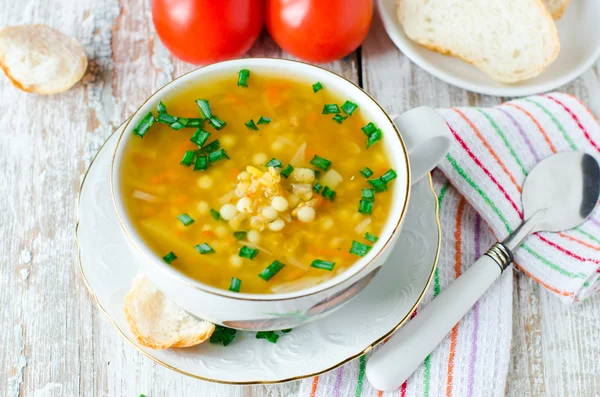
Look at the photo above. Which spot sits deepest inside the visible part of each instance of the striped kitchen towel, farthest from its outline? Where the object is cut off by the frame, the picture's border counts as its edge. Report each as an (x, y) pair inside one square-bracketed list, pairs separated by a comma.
[(479, 199)]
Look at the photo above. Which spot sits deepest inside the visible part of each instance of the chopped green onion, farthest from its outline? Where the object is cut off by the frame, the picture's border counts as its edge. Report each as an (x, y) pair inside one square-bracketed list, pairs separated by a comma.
[(378, 184), (287, 171), (365, 207), (317, 87), (374, 138), (366, 172), (170, 257), (235, 284), (368, 194), (321, 264), (161, 108), (166, 118), (271, 336), (212, 147), (339, 118), (220, 154), (204, 249), (328, 193), (204, 108), (200, 137), (243, 77), (215, 214), (180, 123), (217, 123), (188, 158), (240, 235), (185, 219), (194, 123), (317, 188), (248, 253), (201, 163), (271, 270), (285, 331), (369, 129), (274, 163), (144, 125), (317, 174), (264, 120), (250, 124), (359, 249), (320, 162), (370, 237), (389, 176), (142, 395), (330, 108), (222, 335), (349, 107)]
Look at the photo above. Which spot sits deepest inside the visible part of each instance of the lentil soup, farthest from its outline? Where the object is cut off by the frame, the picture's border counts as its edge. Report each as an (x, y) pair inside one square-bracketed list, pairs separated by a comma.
[(258, 184)]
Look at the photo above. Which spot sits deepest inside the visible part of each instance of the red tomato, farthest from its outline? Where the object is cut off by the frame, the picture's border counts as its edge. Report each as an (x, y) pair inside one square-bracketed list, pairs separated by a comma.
[(319, 30), (206, 31)]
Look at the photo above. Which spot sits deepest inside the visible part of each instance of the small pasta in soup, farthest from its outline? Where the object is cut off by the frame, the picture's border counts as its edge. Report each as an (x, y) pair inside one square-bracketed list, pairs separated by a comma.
[(256, 183)]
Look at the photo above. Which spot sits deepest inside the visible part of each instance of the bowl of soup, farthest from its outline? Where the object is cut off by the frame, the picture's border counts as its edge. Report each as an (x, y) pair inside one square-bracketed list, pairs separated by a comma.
[(261, 193)]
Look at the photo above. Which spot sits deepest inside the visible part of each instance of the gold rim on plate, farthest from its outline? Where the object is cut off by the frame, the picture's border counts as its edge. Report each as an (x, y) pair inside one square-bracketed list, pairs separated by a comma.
[(257, 382)]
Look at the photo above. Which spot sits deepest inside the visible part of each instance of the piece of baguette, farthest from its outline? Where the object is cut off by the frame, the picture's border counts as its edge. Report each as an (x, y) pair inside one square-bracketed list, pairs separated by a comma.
[(556, 7), (157, 322), (40, 59), (510, 40)]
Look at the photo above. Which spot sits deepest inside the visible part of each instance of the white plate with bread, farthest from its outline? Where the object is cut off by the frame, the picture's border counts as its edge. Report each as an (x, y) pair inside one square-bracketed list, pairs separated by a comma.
[(172, 337), (504, 48)]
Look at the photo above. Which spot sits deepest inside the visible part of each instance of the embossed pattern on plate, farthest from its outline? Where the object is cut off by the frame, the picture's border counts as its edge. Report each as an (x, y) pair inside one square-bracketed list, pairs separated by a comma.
[(108, 266)]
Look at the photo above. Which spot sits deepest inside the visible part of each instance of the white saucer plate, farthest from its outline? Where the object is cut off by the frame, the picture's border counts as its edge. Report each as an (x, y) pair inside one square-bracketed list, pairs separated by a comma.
[(579, 49), (108, 265)]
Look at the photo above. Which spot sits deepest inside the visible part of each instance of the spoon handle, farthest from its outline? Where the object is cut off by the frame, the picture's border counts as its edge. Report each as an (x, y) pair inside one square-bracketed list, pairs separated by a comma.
[(395, 361)]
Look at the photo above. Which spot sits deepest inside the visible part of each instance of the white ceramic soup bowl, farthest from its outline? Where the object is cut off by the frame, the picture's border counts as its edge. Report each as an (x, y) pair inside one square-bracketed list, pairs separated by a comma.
[(425, 138)]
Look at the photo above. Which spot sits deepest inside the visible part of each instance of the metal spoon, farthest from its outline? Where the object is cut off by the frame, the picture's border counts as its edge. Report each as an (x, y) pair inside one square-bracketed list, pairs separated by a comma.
[(558, 194)]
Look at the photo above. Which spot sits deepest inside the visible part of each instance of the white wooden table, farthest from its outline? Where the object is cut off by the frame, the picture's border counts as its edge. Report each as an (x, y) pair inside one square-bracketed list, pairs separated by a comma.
[(54, 342)]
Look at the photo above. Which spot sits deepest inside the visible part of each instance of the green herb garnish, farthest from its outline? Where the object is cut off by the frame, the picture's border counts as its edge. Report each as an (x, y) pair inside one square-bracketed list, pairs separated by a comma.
[(317, 187), (243, 78), (368, 194), (235, 284), (170, 257), (204, 249), (166, 118), (285, 331), (201, 163), (271, 336), (271, 270), (250, 124), (194, 123), (287, 171), (204, 108), (349, 107), (274, 163), (328, 193), (370, 237), (365, 207), (217, 123), (388, 176), (200, 137), (369, 128), (188, 158), (339, 118), (179, 124), (366, 172), (331, 108), (264, 120), (240, 235), (317, 87), (161, 108), (220, 154), (222, 335), (378, 184), (320, 162), (185, 219), (321, 264), (212, 147), (373, 138), (215, 214), (359, 249), (144, 125), (248, 253)]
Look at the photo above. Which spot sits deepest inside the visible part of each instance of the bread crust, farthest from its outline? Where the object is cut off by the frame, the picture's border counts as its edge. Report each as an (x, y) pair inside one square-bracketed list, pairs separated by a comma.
[(130, 301), (557, 14)]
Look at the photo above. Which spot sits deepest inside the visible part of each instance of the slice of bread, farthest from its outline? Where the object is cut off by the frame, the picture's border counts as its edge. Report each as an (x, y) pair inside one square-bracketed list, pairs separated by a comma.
[(556, 7), (37, 58), (510, 40), (157, 322)]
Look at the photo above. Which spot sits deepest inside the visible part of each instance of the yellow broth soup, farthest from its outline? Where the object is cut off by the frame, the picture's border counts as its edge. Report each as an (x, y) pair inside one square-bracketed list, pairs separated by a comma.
[(257, 184)]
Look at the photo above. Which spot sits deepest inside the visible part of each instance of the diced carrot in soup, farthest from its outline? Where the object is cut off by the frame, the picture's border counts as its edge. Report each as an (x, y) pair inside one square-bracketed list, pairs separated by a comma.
[(262, 220)]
